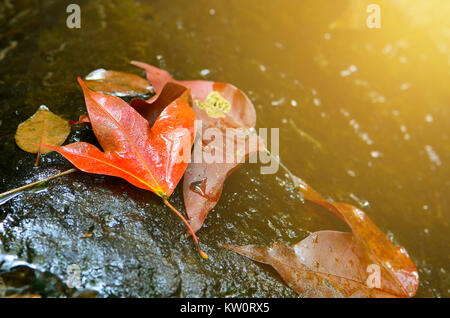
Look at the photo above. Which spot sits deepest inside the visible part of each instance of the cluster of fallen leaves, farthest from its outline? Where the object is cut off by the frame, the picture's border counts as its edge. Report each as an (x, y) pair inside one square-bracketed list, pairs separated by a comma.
[(148, 143)]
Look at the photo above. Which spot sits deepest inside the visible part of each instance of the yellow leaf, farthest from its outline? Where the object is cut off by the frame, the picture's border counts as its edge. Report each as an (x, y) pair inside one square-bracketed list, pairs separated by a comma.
[(43, 127)]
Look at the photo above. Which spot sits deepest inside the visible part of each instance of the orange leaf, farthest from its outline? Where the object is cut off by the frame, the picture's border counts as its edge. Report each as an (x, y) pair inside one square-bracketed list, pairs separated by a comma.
[(153, 159)]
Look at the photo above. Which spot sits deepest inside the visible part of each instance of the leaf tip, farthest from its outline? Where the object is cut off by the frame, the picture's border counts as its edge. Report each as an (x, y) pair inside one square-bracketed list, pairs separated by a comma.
[(82, 84), (138, 64)]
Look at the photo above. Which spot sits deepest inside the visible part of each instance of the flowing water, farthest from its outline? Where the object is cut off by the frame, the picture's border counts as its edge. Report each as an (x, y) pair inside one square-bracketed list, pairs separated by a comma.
[(363, 114)]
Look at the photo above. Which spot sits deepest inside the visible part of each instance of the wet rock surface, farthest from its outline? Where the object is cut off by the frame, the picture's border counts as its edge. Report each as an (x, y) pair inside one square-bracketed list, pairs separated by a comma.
[(333, 129), (125, 243)]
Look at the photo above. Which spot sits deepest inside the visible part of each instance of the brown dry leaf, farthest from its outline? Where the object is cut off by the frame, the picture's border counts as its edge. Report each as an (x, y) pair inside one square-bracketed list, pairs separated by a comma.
[(325, 264), (399, 276), (43, 127), (117, 83), (334, 264)]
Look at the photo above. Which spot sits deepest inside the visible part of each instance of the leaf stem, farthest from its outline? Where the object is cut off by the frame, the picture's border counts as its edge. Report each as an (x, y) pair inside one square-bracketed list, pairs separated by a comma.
[(38, 157), (32, 184), (202, 254)]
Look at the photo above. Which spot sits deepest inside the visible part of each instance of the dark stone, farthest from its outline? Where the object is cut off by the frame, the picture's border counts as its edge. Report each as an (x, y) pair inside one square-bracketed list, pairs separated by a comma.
[(125, 242)]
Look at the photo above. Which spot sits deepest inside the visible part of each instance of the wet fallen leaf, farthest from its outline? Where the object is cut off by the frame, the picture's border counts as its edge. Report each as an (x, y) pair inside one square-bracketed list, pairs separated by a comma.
[(309, 269), (203, 181), (218, 106), (117, 83), (325, 264), (152, 158), (399, 276), (149, 159), (43, 127)]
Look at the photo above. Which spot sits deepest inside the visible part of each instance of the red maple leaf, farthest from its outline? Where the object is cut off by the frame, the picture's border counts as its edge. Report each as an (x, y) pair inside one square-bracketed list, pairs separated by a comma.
[(152, 158)]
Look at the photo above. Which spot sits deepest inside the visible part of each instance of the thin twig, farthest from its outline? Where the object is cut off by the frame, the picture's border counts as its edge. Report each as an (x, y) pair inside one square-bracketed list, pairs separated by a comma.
[(30, 185)]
